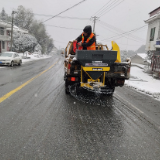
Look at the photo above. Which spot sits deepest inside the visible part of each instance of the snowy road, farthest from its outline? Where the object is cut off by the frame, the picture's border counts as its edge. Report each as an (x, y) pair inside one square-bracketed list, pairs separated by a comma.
[(39, 121)]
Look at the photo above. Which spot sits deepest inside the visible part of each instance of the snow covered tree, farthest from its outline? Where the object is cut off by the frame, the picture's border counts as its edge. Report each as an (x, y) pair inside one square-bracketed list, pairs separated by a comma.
[(24, 17), (23, 42), (50, 45), (38, 29), (38, 48), (3, 15)]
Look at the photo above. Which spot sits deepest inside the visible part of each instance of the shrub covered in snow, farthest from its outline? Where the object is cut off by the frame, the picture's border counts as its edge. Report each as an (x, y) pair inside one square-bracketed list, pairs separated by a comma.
[(24, 42), (38, 48)]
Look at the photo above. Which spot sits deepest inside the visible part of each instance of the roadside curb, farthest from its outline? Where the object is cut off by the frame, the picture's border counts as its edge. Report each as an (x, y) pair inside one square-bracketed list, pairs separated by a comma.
[(140, 114)]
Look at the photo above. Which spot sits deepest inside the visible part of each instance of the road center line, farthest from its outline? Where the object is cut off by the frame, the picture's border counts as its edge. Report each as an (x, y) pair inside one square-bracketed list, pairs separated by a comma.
[(23, 85)]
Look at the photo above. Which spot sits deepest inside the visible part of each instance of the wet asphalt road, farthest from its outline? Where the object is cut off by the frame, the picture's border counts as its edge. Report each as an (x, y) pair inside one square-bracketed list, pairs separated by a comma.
[(41, 122)]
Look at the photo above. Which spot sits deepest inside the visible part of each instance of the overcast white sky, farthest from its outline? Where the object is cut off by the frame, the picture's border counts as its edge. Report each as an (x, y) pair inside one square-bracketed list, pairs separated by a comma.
[(126, 16)]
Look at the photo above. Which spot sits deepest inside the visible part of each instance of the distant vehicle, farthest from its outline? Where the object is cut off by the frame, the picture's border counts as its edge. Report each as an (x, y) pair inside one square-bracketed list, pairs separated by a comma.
[(10, 59)]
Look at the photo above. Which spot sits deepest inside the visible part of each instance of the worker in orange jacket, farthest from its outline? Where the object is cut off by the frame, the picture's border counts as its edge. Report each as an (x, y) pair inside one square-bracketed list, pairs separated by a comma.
[(87, 39)]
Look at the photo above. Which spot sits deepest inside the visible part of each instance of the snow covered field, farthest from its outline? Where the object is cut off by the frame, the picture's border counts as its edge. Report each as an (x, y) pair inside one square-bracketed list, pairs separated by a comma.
[(144, 82)]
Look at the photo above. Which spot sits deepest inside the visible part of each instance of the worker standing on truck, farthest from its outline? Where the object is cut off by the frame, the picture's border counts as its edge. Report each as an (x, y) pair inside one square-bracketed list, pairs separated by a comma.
[(87, 39)]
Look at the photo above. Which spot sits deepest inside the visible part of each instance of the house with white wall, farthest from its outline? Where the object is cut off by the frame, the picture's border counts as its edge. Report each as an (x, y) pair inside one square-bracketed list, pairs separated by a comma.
[(153, 41), (153, 34), (5, 35)]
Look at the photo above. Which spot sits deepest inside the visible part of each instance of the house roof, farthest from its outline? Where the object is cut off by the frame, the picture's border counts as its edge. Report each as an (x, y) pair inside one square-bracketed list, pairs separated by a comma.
[(7, 26), (4, 24), (152, 18), (142, 55), (154, 10)]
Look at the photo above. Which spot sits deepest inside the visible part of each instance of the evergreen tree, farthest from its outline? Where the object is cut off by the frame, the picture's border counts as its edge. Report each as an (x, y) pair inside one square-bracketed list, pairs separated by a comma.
[(3, 15)]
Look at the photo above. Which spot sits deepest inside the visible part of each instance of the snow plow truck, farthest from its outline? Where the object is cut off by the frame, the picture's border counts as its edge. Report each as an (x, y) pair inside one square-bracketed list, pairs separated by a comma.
[(99, 70)]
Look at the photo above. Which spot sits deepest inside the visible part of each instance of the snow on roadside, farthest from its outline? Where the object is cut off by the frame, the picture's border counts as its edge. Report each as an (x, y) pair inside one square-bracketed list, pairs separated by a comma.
[(33, 57), (1, 67), (143, 82)]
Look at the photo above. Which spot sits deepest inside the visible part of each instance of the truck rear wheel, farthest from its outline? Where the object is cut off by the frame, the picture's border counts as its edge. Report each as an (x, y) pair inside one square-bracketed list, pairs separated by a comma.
[(66, 87), (67, 90)]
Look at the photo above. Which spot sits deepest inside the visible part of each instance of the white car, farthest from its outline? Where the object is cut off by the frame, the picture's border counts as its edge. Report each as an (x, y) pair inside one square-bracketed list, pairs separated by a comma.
[(10, 59)]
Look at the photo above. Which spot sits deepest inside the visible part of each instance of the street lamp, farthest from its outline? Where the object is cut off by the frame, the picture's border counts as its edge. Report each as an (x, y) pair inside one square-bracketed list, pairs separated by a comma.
[(13, 12)]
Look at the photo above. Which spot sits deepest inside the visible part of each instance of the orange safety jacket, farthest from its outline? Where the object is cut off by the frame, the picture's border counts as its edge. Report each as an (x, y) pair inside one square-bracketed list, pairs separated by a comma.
[(93, 46)]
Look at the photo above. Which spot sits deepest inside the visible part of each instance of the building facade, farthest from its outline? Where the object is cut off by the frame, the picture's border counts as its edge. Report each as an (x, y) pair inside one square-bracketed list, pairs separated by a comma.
[(153, 41), (5, 35), (153, 34)]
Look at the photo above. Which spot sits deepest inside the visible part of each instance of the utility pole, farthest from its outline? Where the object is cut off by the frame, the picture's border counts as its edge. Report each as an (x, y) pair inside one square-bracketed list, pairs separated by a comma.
[(94, 22), (13, 12)]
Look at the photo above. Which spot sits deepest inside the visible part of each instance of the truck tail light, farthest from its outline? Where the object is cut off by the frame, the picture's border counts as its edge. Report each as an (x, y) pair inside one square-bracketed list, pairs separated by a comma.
[(73, 79)]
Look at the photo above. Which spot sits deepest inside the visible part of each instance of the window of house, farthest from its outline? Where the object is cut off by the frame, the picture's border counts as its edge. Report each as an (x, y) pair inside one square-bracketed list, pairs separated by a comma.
[(1, 31), (152, 34), (157, 49), (8, 33), (3, 45)]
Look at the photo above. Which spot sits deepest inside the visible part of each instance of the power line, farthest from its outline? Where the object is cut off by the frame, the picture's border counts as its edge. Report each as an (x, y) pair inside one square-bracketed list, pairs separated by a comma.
[(103, 7), (118, 30), (79, 18), (102, 14), (125, 32), (63, 27), (123, 36), (55, 26), (64, 11), (129, 44), (108, 6)]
